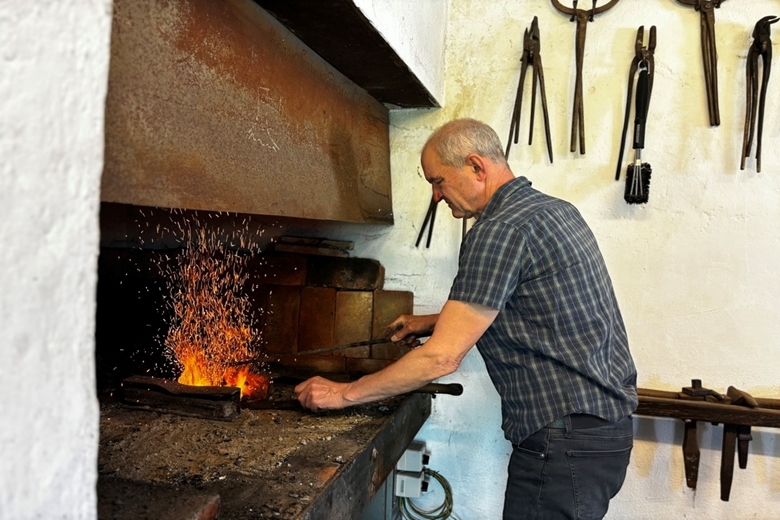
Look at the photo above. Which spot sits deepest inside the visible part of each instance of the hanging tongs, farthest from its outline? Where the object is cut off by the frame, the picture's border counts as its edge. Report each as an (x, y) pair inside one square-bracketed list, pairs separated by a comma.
[(638, 174)]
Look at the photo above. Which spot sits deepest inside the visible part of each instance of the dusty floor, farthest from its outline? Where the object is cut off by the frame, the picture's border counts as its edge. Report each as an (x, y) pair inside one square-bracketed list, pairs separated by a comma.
[(265, 464)]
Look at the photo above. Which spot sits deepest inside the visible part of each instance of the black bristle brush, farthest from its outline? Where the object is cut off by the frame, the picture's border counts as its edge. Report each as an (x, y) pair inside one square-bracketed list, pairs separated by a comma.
[(638, 173)]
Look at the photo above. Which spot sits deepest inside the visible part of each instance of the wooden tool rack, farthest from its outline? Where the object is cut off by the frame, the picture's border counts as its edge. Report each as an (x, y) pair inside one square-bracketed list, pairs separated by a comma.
[(737, 410)]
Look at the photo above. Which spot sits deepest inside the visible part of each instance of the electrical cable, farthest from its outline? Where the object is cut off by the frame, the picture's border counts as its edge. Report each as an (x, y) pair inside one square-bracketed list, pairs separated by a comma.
[(442, 512)]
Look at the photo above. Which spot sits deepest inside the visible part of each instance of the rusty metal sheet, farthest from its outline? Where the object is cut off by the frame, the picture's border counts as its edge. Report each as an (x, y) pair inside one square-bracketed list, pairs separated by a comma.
[(216, 106)]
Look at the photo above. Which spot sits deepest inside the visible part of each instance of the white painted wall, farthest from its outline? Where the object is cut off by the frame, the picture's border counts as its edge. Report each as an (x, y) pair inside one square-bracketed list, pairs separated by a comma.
[(412, 28), (695, 270), (54, 68)]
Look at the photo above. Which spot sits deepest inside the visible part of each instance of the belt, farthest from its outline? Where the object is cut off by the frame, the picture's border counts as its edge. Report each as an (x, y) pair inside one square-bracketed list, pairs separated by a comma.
[(579, 421)]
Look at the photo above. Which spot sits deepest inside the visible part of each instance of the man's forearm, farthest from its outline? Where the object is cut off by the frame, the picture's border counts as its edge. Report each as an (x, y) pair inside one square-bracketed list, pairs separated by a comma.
[(458, 327), (409, 373)]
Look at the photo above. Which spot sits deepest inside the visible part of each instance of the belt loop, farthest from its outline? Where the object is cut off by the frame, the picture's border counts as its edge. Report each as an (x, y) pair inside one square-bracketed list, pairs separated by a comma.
[(567, 421)]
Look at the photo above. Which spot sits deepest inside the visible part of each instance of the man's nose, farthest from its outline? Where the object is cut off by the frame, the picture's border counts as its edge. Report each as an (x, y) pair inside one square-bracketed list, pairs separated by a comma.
[(437, 196)]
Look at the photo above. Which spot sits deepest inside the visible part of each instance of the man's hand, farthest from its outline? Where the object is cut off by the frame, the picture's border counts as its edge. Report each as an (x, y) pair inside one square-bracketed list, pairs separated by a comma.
[(407, 328), (319, 393)]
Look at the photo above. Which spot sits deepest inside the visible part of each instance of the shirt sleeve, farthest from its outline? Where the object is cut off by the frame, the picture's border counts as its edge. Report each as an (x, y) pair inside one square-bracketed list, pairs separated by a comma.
[(490, 265)]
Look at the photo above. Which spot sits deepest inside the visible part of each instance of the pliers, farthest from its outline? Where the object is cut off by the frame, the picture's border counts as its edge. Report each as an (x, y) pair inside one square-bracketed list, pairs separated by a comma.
[(643, 60), (709, 52), (761, 47), (531, 57)]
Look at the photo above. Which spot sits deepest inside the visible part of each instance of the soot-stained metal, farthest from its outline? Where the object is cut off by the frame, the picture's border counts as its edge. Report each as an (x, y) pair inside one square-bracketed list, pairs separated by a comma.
[(216, 106)]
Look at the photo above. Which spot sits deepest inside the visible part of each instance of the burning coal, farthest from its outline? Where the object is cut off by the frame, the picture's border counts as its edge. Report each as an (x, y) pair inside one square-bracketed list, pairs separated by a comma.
[(212, 322)]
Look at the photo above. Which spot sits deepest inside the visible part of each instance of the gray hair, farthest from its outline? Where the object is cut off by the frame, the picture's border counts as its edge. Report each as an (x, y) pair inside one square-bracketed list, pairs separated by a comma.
[(453, 141)]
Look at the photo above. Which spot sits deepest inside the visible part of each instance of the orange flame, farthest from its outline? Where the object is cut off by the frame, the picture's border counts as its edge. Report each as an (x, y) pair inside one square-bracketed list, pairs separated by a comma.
[(212, 325)]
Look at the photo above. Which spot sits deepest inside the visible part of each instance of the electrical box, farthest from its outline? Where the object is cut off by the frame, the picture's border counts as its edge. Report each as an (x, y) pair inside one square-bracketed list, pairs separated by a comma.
[(414, 459), (410, 485)]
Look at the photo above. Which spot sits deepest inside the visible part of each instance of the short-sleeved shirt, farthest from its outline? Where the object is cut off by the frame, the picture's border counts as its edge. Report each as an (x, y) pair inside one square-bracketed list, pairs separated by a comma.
[(558, 344)]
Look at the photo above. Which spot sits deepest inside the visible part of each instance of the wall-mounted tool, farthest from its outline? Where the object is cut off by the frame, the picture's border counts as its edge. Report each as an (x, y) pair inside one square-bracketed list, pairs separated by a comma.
[(644, 57), (430, 217), (760, 48), (582, 17), (709, 52), (737, 410), (638, 173), (531, 56)]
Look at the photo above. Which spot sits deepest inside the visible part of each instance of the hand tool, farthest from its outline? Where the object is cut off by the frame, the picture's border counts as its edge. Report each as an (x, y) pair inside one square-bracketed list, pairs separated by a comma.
[(531, 57), (690, 446), (761, 47), (430, 216), (738, 411), (644, 58), (294, 404), (709, 52), (267, 357), (638, 174), (582, 17)]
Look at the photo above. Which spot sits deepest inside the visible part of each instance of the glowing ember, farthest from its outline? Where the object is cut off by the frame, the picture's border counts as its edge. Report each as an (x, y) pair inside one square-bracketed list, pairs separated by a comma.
[(212, 324)]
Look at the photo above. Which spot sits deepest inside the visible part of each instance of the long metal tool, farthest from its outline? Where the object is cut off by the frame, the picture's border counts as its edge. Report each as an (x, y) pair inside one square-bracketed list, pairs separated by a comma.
[(533, 58), (430, 218), (269, 357), (709, 52), (760, 48), (582, 17)]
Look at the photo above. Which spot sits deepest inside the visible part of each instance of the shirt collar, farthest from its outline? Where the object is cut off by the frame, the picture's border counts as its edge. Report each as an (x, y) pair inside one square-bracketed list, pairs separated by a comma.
[(503, 192)]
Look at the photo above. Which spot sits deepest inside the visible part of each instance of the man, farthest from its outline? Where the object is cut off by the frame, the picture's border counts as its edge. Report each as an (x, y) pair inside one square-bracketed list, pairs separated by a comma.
[(533, 292)]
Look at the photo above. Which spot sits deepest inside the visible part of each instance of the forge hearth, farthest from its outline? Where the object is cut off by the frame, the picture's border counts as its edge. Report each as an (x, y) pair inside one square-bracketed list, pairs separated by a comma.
[(282, 462), (287, 464)]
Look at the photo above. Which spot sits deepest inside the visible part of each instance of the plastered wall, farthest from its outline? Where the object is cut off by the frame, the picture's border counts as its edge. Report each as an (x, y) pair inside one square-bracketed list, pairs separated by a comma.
[(53, 71), (695, 270)]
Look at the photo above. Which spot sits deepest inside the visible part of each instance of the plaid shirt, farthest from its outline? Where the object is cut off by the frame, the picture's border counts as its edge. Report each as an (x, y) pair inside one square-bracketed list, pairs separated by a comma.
[(558, 345)]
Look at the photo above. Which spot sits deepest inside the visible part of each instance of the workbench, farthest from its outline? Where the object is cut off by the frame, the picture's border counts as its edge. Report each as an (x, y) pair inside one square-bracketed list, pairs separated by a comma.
[(288, 464)]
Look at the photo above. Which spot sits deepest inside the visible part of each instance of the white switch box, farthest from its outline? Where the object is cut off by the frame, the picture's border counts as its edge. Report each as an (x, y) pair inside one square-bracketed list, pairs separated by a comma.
[(414, 459), (410, 485)]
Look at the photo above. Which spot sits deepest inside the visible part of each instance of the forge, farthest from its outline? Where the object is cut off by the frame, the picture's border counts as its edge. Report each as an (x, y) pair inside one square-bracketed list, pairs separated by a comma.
[(216, 113), (264, 464), (169, 449)]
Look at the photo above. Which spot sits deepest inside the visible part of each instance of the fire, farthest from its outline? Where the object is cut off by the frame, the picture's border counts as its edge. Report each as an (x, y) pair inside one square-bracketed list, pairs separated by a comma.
[(212, 324)]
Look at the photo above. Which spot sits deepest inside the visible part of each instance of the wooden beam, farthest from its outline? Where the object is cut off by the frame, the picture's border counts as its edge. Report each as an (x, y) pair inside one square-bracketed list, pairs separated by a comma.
[(706, 411)]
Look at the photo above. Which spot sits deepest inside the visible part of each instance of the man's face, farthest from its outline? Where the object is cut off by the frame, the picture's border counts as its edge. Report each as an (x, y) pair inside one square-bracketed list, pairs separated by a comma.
[(458, 187)]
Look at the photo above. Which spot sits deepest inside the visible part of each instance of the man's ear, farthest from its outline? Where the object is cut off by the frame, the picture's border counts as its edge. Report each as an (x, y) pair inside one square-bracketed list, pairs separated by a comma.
[(477, 164)]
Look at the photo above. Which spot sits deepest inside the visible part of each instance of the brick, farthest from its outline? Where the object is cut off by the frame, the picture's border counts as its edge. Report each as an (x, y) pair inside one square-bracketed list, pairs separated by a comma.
[(319, 364), (358, 274), (388, 305), (354, 316), (280, 317), (317, 323), (277, 269), (366, 366)]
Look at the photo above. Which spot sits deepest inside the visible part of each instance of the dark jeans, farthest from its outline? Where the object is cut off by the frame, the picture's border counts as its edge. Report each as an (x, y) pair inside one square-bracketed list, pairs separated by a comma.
[(568, 473)]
